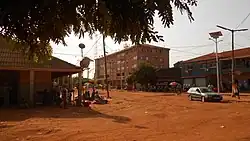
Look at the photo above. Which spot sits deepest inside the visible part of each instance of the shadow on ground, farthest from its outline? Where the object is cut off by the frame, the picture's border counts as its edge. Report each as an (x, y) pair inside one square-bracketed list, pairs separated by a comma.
[(55, 112), (235, 101)]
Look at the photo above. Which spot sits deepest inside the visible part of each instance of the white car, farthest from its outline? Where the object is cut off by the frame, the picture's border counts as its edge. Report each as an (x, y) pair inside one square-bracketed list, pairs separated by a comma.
[(203, 94)]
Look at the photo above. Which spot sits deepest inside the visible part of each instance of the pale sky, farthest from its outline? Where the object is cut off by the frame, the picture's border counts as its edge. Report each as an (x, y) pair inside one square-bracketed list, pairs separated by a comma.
[(185, 40)]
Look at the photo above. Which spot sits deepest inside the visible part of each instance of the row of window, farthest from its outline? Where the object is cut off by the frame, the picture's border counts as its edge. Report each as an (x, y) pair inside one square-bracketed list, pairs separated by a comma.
[(201, 66), (135, 58), (158, 50)]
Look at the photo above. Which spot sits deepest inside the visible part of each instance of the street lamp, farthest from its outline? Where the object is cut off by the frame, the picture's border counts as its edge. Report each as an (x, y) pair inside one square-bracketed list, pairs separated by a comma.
[(81, 46), (232, 32), (214, 37)]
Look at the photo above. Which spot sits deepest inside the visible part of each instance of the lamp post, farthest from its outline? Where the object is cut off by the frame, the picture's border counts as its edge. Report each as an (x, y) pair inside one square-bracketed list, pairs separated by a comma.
[(81, 46), (232, 32), (214, 37)]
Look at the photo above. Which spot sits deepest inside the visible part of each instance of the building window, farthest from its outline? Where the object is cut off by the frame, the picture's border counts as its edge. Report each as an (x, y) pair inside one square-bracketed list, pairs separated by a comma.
[(203, 66), (141, 57), (118, 62), (135, 57), (161, 60), (118, 69), (122, 68), (146, 58)]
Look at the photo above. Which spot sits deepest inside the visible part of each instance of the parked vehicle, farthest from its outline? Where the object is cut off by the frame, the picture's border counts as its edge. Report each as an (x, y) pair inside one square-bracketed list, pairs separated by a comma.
[(203, 94)]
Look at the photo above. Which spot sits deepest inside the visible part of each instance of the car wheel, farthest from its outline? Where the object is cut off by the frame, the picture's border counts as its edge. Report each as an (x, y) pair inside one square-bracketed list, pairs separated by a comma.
[(203, 99), (190, 98)]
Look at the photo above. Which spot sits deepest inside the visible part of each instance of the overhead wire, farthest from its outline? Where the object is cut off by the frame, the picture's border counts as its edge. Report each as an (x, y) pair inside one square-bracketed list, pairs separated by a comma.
[(93, 46), (79, 54), (226, 36), (243, 20)]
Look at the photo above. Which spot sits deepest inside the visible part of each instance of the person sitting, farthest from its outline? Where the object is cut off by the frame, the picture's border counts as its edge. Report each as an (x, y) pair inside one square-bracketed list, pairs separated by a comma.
[(93, 95), (99, 99)]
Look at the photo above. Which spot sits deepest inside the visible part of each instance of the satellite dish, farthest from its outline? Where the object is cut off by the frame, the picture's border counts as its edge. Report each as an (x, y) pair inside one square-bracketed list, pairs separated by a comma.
[(85, 62)]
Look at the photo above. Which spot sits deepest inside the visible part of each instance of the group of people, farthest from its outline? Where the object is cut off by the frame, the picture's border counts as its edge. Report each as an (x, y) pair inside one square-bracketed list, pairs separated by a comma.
[(64, 96)]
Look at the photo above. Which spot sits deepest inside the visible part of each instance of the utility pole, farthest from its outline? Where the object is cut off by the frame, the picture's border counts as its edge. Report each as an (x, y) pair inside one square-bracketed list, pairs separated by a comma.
[(110, 72), (105, 67), (121, 73), (81, 46), (214, 38), (221, 80), (232, 32)]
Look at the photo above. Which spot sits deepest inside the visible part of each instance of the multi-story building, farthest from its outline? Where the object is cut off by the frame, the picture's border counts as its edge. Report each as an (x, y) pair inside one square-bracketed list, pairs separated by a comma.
[(122, 64), (202, 70)]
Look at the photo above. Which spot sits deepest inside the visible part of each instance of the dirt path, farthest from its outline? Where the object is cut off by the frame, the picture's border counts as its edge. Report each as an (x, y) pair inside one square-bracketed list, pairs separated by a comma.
[(132, 117)]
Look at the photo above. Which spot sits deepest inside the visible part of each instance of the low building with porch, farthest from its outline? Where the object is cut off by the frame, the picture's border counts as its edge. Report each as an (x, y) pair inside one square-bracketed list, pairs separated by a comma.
[(21, 79), (201, 71)]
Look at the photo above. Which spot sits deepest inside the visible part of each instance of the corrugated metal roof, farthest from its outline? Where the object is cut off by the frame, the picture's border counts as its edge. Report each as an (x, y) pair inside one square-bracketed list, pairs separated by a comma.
[(15, 59), (244, 52)]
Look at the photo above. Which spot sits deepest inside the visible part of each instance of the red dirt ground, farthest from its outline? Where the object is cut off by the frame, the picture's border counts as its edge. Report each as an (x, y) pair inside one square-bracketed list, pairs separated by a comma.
[(132, 117)]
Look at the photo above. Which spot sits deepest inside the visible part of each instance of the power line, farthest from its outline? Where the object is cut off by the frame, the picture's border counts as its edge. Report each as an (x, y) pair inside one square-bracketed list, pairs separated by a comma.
[(238, 25), (186, 52), (246, 37), (92, 46), (192, 46), (243, 20), (76, 55), (174, 49)]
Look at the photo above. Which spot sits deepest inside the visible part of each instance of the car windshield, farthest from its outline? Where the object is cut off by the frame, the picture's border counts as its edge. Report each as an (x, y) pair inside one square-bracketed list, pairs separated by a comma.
[(205, 90)]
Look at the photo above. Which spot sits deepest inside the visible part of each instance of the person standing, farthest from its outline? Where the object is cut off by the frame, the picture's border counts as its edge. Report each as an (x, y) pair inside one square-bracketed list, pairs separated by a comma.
[(64, 97), (235, 88)]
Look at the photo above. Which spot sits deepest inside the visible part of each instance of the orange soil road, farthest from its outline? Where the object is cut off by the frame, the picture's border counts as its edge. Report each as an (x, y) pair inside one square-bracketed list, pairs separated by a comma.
[(132, 117)]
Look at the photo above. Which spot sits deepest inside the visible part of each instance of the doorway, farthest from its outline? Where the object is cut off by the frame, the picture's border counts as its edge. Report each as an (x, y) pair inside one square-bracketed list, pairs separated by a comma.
[(9, 81)]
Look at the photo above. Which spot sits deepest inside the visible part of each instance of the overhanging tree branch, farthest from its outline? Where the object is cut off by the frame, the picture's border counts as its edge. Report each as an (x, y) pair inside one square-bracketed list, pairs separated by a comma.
[(34, 21)]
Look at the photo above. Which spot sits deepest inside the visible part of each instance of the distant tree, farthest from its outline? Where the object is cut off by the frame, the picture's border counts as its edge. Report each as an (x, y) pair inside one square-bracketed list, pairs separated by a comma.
[(145, 75), (34, 23), (131, 79)]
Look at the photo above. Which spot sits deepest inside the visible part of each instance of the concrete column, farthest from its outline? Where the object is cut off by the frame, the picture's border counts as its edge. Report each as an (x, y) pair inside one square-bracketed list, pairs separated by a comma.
[(70, 82), (58, 81), (32, 83), (63, 80)]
